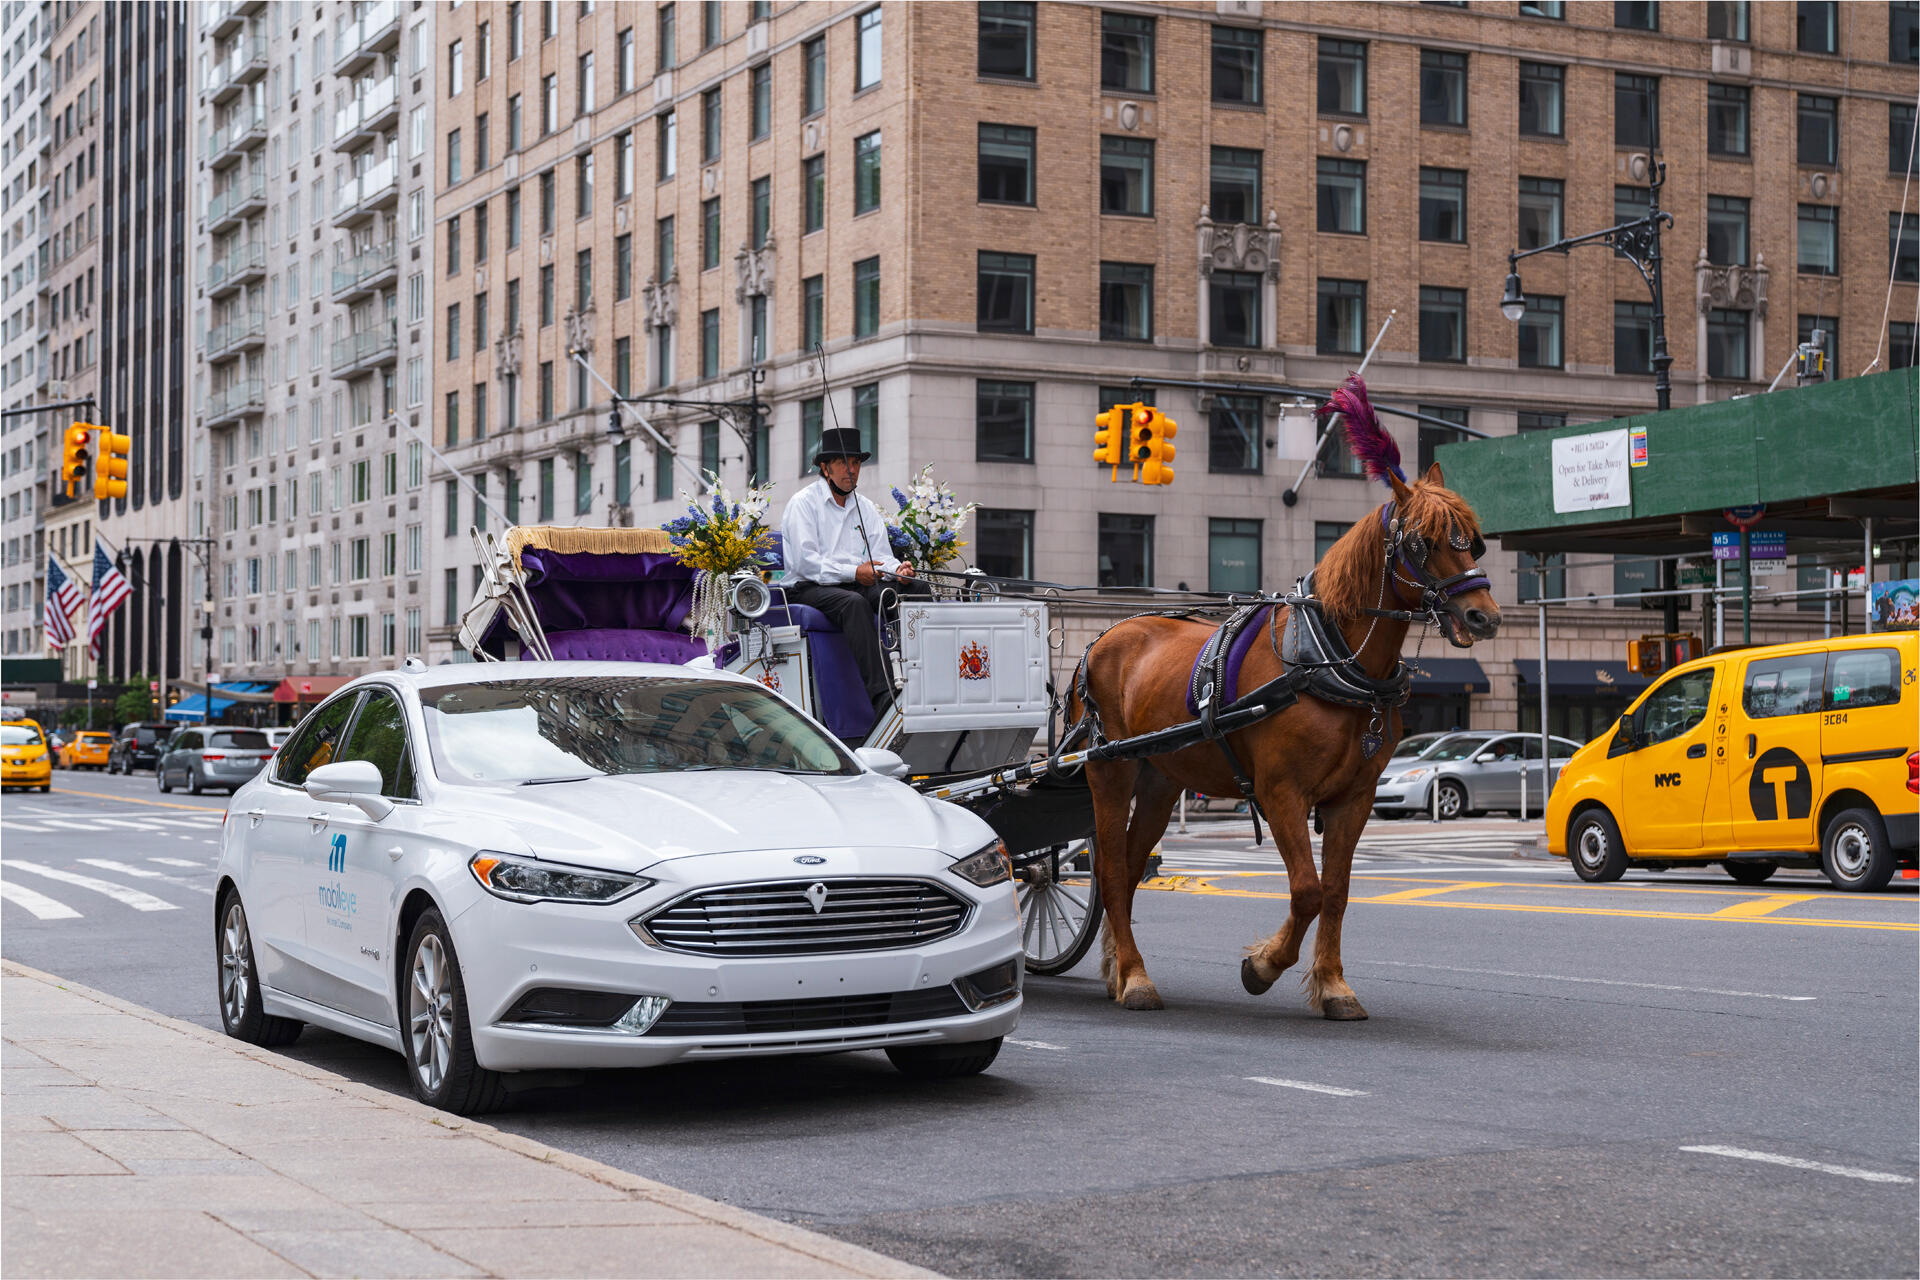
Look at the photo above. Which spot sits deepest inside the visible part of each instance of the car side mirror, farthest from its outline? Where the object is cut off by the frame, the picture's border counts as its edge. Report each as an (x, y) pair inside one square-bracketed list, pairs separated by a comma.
[(1485, 757), (879, 761), (354, 782)]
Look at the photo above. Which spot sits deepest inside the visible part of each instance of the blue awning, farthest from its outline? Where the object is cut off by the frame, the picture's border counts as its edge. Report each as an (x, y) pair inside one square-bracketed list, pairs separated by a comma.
[(194, 705), (1449, 675)]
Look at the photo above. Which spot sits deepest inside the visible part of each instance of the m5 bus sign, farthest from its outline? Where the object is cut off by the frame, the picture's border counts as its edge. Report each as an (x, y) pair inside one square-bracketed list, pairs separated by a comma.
[(1762, 544)]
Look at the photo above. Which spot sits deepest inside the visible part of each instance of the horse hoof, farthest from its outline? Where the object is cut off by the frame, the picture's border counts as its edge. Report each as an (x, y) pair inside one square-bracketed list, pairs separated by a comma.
[(1343, 1009), (1250, 978), (1142, 995)]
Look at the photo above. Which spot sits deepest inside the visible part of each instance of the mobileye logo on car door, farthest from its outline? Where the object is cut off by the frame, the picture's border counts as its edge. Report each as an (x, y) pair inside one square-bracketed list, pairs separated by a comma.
[(337, 860), (809, 860)]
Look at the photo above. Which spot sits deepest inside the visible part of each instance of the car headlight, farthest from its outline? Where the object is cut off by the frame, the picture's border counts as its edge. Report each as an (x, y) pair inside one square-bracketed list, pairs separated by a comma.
[(989, 866), (1411, 774), (528, 880)]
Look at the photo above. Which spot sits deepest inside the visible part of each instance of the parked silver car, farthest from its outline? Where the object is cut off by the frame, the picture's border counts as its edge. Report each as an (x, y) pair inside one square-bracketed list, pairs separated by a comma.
[(1474, 771), (211, 756)]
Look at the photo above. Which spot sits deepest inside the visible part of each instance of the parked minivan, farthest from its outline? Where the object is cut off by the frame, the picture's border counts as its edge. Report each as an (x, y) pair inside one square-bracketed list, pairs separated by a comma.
[(212, 756), (1803, 754)]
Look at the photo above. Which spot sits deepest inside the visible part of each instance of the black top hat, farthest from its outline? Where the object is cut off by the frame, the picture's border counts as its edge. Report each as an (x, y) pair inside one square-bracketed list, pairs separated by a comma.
[(839, 442)]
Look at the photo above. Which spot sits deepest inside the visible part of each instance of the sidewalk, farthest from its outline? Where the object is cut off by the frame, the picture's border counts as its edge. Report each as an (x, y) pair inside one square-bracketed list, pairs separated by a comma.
[(139, 1145)]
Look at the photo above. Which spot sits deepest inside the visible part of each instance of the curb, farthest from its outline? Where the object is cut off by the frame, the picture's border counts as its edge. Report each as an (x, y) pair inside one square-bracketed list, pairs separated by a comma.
[(772, 1231)]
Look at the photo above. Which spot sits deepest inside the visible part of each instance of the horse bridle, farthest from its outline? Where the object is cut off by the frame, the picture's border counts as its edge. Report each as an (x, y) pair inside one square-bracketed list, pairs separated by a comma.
[(1407, 547)]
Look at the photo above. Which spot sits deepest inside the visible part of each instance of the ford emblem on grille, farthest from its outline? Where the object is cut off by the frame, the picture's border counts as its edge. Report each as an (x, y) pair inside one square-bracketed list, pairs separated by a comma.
[(809, 859), (817, 895)]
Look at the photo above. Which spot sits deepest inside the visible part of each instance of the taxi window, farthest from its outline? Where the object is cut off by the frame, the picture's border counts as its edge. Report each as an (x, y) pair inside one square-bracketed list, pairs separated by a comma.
[(1863, 678), (380, 736), (316, 743), (1788, 686), (1676, 706)]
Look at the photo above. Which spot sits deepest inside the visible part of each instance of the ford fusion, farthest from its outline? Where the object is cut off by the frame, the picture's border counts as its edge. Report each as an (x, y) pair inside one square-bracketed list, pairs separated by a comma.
[(568, 865)]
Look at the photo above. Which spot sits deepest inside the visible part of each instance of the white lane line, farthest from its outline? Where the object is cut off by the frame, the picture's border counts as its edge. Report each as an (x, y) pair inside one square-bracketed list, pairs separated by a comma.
[(69, 824), (10, 825), (119, 893), (1794, 1162), (1309, 1086), (108, 864), (40, 904), (1038, 1044), (1598, 982), (179, 862)]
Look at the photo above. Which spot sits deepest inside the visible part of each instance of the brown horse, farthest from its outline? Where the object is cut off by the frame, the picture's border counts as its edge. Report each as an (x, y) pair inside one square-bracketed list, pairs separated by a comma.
[(1402, 557)]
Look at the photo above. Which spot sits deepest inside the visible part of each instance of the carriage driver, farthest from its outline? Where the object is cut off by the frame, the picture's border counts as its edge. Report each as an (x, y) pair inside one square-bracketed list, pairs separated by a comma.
[(838, 558)]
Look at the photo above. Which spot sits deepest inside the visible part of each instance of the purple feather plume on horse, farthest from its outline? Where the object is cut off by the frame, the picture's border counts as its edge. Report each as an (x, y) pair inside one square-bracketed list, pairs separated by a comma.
[(1371, 443)]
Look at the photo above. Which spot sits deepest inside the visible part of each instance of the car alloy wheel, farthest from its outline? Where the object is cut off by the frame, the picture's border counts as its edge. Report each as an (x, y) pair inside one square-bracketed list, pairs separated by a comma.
[(236, 963), (1453, 801), (430, 1013)]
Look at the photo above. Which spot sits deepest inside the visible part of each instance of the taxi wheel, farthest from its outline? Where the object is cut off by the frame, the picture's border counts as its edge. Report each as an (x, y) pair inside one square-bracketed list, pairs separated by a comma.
[(1854, 851), (435, 1032), (1593, 846), (1751, 872), (944, 1061), (239, 984)]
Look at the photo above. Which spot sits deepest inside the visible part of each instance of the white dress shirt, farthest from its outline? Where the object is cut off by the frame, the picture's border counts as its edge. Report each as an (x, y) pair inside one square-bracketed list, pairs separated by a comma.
[(823, 540)]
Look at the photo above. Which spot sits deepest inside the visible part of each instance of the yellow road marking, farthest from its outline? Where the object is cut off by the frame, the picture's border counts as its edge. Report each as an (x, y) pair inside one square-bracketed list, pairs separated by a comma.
[(1763, 906), (158, 804), (1409, 895)]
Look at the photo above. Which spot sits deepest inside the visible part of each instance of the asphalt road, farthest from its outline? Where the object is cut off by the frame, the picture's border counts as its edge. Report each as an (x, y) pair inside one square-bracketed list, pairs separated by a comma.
[(1543, 1062)]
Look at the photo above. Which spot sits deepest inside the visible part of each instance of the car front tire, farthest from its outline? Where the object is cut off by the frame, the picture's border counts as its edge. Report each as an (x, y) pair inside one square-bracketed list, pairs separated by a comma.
[(1594, 847), (944, 1061), (1453, 799), (435, 1032), (238, 982), (1854, 851)]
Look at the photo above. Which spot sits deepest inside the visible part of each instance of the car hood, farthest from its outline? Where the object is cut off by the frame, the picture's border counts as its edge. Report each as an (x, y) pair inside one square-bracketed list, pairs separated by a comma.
[(633, 821)]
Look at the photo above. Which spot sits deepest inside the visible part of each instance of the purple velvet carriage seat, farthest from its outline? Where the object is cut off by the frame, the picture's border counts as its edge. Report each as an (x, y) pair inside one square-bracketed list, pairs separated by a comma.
[(600, 598), (840, 696)]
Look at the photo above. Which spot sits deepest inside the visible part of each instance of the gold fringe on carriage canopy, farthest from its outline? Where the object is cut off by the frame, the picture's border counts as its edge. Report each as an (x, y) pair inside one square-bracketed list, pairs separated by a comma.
[(593, 542)]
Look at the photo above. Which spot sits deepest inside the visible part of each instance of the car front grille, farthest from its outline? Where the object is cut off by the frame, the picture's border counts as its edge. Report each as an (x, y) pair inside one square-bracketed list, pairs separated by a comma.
[(807, 917), (764, 1017)]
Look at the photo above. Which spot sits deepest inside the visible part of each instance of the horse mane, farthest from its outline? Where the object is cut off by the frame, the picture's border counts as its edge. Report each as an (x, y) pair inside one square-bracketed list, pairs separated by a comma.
[(1348, 577)]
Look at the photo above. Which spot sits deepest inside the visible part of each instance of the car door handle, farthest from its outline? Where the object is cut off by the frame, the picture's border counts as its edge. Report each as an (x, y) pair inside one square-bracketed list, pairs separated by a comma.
[(254, 817), (1753, 745), (1698, 751)]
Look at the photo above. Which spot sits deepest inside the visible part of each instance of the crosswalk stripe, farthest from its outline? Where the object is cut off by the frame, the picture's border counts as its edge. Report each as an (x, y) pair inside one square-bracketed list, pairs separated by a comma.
[(179, 862), (108, 864), (11, 825), (70, 824), (40, 904), (119, 893)]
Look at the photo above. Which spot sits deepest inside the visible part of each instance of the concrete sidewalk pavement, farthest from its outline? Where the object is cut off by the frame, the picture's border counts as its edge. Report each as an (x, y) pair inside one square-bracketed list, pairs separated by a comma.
[(139, 1145)]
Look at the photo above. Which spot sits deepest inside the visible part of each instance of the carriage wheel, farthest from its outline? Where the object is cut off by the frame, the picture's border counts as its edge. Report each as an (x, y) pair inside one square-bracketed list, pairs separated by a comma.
[(1059, 906)]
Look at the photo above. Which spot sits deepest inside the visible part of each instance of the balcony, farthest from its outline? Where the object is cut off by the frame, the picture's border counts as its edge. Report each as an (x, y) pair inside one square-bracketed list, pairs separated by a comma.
[(244, 264), (244, 63), (222, 16), (244, 333), (242, 131), (358, 199), (244, 197), (366, 272), (240, 400), (358, 43), (366, 349), (374, 110)]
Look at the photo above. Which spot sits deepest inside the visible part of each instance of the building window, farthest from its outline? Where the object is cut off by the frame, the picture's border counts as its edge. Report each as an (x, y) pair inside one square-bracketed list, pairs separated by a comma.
[(1433, 435), (710, 233), (1234, 190), (709, 23), (1006, 39), (1343, 195), (1727, 231), (666, 37), (625, 74), (1819, 249), (757, 327), (760, 102), (1727, 343), (582, 280), (547, 306), (1233, 435), (1541, 333), (1636, 111), (453, 332), (481, 144), (1003, 542), (1528, 587), (710, 343), (664, 267), (1443, 88), (866, 297), (546, 503), (547, 184), (1543, 96), (710, 138), (1903, 345), (513, 217), (549, 104), (583, 85), (1828, 327), (1005, 289), (1727, 114), (1341, 321), (583, 186), (1541, 202), (813, 59), (866, 173), (812, 312), (759, 212), (866, 59), (623, 366), (1819, 131), (1443, 205), (1126, 550), (812, 416), (1637, 15), (1234, 312), (662, 474), (1727, 20), (582, 483), (1006, 164), (623, 165), (710, 448), (514, 124), (1003, 421), (1816, 26), (1528, 420), (545, 392), (1233, 556), (1126, 176), (866, 416), (1900, 150), (1126, 53), (1325, 534), (1237, 65), (1903, 242), (1903, 31), (1343, 77), (1633, 337), (666, 144), (813, 182), (1443, 324)]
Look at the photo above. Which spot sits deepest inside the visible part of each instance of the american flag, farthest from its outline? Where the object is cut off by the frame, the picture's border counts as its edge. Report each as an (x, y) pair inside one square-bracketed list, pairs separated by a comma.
[(63, 597), (110, 591)]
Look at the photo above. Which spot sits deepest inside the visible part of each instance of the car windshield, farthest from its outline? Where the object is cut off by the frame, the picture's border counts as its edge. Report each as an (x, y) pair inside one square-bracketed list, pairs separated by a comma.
[(582, 727), (1415, 744), (240, 740), (19, 735), (1455, 749)]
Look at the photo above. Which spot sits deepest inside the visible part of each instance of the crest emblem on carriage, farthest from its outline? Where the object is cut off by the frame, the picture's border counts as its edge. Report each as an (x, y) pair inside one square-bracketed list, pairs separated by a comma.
[(771, 679), (973, 662)]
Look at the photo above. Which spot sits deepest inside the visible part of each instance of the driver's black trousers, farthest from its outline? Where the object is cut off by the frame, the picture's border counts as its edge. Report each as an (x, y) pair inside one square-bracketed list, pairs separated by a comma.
[(852, 608)]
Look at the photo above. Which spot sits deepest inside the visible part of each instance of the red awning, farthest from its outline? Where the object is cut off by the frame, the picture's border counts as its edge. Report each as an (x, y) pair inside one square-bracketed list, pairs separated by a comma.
[(308, 688)]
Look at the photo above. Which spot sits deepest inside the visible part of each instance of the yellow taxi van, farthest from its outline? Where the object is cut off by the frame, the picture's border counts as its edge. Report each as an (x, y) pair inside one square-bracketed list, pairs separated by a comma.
[(23, 755), (1804, 755)]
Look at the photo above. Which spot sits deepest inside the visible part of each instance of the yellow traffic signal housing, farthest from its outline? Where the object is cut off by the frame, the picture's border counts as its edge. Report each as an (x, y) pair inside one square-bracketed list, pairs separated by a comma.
[(111, 468), (76, 460), (1110, 436), (1158, 468), (1140, 439)]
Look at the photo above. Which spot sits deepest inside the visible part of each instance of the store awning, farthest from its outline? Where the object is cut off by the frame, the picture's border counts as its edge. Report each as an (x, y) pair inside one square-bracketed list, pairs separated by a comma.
[(1448, 675), (308, 688), (194, 706), (1583, 679)]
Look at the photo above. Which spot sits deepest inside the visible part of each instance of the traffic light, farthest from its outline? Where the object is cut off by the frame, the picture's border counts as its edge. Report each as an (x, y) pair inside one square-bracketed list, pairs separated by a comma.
[(77, 460), (110, 469), (1110, 436), (1140, 436), (1157, 467)]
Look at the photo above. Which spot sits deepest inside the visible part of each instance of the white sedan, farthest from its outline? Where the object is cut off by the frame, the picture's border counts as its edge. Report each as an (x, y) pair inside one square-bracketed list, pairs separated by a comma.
[(523, 866)]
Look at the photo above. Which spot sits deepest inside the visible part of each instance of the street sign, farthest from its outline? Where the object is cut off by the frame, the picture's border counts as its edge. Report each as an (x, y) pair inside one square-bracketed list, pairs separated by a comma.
[(1767, 568), (1745, 517), (1762, 544), (93, 684)]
